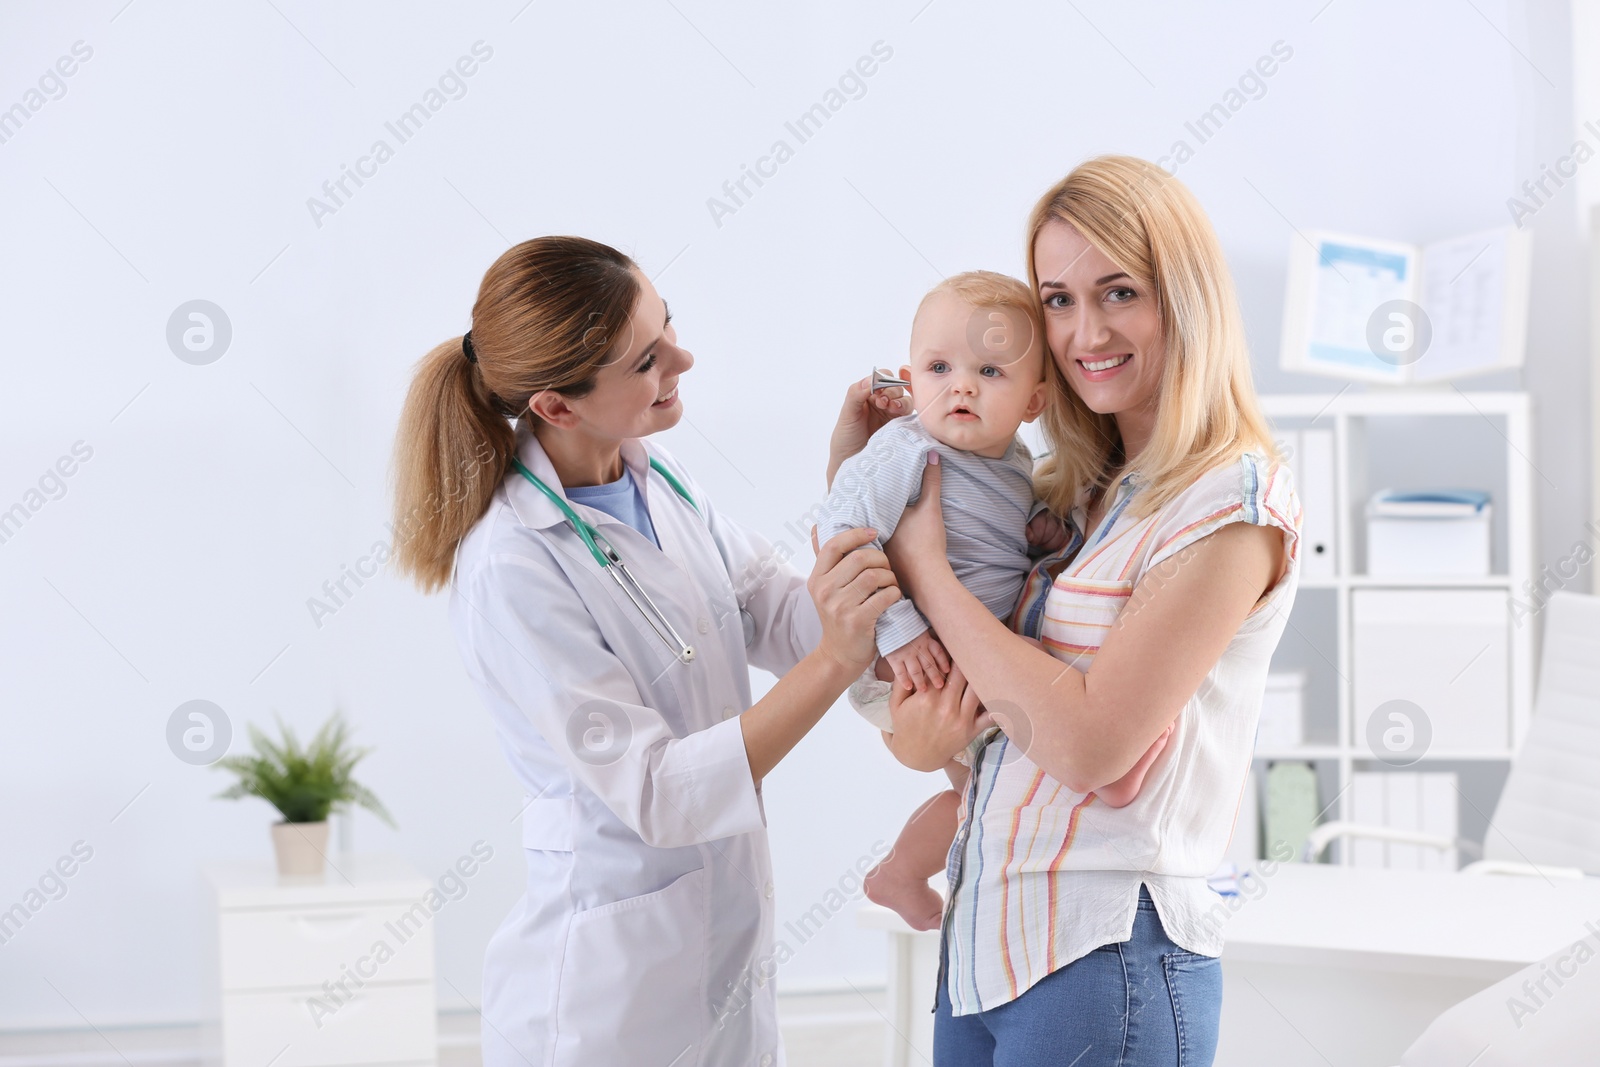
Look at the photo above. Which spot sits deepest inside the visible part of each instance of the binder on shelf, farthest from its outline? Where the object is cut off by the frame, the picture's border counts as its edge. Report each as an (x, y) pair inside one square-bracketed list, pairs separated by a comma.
[(1367, 809), (1440, 816), (1314, 480), (1404, 800), (1309, 455), (1403, 810), (1291, 805)]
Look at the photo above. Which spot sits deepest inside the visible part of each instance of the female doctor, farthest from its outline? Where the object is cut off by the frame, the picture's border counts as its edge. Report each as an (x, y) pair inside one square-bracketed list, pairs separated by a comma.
[(607, 613)]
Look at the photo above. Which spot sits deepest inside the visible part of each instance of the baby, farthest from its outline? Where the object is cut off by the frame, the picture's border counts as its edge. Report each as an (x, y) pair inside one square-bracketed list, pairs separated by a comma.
[(977, 373)]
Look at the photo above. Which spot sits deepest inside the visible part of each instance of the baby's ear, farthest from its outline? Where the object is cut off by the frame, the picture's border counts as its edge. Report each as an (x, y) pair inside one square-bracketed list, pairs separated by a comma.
[(904, 374), (1036, 402)]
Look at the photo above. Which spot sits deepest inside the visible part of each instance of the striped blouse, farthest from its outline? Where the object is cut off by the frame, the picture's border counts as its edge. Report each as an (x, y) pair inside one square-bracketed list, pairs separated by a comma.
[(1039, 875)]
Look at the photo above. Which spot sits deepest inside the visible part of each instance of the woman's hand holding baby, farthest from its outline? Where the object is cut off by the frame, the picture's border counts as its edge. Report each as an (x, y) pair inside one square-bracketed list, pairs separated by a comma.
[(932, 725)]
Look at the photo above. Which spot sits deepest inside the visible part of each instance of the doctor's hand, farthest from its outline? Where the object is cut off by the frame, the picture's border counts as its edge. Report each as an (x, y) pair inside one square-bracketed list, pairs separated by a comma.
[(851, 586), (932, 725), (863, 413)]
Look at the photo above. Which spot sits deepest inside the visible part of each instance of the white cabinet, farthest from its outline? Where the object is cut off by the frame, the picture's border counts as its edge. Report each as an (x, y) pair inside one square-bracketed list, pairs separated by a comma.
[(1459, 648), (320, 972), (1444, 651)]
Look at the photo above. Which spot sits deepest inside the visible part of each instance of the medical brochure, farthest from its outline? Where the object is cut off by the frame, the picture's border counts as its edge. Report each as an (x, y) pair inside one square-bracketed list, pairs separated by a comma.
[(1384, 311)]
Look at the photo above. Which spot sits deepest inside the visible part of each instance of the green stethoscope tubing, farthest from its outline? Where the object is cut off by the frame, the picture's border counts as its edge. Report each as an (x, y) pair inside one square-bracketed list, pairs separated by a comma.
[(611, 563)]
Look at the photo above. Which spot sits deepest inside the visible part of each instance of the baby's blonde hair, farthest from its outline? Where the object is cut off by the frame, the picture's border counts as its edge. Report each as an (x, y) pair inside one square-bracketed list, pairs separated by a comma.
[(987, 290)]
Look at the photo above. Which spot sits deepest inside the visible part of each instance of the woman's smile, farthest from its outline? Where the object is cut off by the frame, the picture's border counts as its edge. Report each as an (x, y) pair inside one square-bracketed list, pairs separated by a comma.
[(1104, 368)]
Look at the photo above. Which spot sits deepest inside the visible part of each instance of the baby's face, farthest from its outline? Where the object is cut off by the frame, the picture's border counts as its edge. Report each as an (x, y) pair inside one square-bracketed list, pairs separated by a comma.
[(976, 373)]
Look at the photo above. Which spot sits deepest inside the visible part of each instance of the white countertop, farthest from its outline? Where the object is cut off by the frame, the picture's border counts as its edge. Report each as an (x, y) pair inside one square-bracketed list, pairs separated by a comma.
[(363, 877), (1434, 922), (1427, 922)]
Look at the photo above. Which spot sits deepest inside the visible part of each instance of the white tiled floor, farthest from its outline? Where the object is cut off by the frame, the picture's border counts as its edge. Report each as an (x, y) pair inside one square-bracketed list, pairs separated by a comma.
[(819, 1030)]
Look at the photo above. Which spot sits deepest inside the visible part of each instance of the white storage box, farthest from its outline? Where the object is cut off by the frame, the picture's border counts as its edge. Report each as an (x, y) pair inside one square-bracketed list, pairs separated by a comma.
[(1445, 651), (1418, 534), (1283, 712)]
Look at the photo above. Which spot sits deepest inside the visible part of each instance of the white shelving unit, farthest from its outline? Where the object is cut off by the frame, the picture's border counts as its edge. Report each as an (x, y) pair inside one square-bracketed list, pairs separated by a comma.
[(1351, 416)]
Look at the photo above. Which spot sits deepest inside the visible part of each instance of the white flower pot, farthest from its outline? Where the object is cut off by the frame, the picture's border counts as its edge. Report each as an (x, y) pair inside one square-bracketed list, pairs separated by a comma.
[(301, 846)]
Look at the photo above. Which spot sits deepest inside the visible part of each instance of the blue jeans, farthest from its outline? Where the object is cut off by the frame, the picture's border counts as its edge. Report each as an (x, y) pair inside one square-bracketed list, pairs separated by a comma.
[(1143, 1002)]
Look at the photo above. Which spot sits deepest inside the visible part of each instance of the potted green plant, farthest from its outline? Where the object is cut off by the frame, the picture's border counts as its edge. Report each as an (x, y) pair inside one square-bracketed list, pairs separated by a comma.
[(304, 785)]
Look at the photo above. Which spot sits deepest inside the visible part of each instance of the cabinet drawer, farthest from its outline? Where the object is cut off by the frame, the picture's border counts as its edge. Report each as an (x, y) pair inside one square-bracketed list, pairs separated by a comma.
[(1432, 671), (277, 948), (379, 1024)]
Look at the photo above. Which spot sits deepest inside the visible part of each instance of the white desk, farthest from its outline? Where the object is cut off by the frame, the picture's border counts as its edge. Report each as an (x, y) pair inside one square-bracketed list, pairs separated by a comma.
[(1348, 965), (1323, 964)]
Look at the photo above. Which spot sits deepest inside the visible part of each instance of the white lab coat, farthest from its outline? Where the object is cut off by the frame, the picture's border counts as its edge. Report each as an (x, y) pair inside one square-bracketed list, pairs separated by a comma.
[(646, 933)]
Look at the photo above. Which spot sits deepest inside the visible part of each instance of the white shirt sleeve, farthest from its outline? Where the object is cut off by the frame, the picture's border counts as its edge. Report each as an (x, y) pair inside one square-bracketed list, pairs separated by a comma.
[(779, 619), (539, 651)]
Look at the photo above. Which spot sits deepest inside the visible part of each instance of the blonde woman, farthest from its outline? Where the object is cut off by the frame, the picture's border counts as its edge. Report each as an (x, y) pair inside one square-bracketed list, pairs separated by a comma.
[(1074, 932), (623, 705)]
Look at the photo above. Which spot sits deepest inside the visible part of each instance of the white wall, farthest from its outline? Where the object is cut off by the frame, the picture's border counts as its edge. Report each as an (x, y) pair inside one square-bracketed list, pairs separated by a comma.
[(178, 163)]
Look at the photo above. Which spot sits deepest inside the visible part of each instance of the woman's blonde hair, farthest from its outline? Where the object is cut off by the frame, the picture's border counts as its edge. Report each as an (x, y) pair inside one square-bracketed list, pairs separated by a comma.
[(1148, 223), (549, 314)]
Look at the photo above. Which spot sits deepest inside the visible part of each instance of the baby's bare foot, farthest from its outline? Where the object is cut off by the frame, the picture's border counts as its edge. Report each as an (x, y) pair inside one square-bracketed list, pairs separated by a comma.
[(903, 893)]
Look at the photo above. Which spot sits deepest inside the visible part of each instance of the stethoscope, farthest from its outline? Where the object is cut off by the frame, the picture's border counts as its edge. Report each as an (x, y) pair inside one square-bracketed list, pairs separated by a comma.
[(611, 562)]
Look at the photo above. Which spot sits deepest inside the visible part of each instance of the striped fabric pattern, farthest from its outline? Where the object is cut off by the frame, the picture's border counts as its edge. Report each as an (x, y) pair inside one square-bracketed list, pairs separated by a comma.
[(1040, 875), (986, 501)]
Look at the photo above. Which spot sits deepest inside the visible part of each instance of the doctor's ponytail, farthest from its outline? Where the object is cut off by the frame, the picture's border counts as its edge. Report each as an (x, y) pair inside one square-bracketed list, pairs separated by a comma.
[(545, 318)]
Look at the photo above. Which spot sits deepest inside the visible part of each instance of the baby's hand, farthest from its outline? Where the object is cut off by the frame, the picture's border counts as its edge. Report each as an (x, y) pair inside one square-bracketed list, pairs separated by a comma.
[(920, 663), (1046, 532)]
